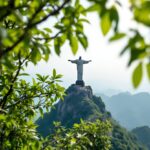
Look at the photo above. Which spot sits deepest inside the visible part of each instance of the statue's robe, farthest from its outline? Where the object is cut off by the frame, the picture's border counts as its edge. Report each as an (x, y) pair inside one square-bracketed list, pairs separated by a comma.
[(79, 63)]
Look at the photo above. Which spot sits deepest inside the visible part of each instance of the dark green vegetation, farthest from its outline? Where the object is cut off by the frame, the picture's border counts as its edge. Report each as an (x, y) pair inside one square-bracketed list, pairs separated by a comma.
[(23, 41), (80, 103), (86, 135), (20, 104), (143, 135), (125, 140), (130, 110)]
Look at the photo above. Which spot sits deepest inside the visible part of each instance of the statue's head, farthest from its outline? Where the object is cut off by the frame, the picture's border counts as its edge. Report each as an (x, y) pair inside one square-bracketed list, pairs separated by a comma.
[(80, 58)]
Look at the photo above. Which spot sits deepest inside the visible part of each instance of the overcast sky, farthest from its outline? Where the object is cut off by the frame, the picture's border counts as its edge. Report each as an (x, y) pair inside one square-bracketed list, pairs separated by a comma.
[(106, 71)]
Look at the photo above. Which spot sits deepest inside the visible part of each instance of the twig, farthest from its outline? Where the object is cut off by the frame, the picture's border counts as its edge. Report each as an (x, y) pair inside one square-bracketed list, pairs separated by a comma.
[(49, 38), (4, 100)]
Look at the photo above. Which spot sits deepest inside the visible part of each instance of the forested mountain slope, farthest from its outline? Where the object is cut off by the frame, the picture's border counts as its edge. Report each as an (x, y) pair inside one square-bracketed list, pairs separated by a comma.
[(80, 103)]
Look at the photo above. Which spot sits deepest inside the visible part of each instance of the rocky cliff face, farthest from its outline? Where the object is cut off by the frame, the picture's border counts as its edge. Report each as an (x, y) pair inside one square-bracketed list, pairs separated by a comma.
[(80, 103)]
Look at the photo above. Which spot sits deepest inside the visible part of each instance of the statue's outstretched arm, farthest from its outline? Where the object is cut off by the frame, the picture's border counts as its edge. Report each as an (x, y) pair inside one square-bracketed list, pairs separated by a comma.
[(73, 61), (86, 61)]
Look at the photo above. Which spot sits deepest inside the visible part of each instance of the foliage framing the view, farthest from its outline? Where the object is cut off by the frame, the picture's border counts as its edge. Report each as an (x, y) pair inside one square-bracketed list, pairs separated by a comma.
[(20, 20), (22, 41), (20, 102), (86, 135)]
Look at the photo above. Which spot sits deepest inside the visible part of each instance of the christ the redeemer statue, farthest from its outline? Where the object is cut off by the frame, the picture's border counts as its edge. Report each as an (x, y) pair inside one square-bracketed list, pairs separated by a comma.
[(79, 62)]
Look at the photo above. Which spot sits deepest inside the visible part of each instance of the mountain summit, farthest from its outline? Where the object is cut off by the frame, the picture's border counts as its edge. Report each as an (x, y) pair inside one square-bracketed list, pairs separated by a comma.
[(80, 103)]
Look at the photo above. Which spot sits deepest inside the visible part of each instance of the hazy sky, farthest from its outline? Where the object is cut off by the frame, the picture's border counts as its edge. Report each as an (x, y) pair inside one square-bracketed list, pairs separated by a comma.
[(106, 71)]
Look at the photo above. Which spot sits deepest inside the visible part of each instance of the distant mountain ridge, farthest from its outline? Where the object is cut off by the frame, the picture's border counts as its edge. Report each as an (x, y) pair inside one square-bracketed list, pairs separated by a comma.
[(143, 135), (80, 103), (130, 110)]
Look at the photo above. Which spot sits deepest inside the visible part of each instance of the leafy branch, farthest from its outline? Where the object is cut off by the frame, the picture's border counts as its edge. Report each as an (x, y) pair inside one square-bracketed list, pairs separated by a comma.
[(31, 25), (10, 90)]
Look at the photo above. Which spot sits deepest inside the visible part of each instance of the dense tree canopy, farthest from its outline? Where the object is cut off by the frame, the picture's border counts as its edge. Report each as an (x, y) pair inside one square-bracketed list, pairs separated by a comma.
[(23, 41), (20, 32)]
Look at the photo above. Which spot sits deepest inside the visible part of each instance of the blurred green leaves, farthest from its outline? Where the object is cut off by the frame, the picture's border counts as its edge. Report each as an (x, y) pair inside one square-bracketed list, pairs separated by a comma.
[(148, 70), (141, 11), (117, 36), (109, 17), (74, 44), (105, 23), (137, 75), (20, 102), (19, 29)]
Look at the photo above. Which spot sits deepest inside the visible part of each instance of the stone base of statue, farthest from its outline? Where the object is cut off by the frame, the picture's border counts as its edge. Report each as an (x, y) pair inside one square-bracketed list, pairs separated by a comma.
[(80, 82)]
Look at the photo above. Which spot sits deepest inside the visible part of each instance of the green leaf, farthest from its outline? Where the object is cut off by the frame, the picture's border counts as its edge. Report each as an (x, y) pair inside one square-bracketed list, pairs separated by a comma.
[(135, 54), (105, 23), (23, 74), (74, 44), (35, 55), (54, 73), (95, 7), (48, 30), (34, 82), (65, 21), (41, 111), (39, 77), (79, 27), (62, 39), (117, 36), (83, 40), (148, 70), (84, 20), (59, 76), (142, 13), (37, 145), (114, 17), (137, 75), (2, 117), (73, 141), (57, 46), (77, 3), (46, 52)]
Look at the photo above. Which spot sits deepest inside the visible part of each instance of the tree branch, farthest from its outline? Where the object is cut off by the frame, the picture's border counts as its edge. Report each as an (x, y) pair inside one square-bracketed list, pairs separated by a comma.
[(56, 11), (8, 10), (49, 38), (31, 25), (4, 100), (41, 95)]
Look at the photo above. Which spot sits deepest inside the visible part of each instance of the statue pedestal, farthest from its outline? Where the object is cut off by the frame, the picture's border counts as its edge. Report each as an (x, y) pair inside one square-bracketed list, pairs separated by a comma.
[(80, 82)]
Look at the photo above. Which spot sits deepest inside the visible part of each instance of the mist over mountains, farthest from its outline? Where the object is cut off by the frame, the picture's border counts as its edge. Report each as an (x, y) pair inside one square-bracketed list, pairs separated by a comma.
[(130, 110)]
